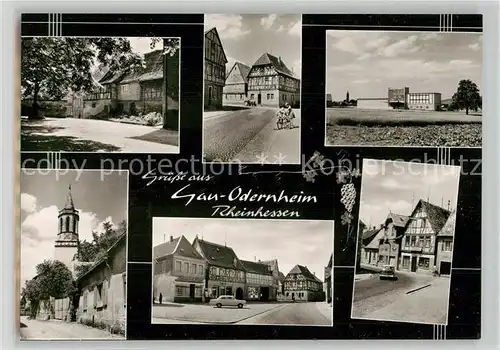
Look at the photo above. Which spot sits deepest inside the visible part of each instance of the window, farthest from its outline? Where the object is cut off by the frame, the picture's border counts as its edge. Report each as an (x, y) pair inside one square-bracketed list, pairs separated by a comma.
[(179, 291), (423, 263), (406, 261), (93, 104), (177, 266), (193, 269), (413, 241), (125, 87), (272, 96), (446, 246), (200, 269), (67, 224), (186, 267), (268, 96), (251, 96), (428, 242)]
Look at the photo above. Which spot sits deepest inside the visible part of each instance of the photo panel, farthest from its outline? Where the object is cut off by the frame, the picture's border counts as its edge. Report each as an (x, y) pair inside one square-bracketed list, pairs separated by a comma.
[(73, 254), (252, 88), (232, 272), (100, 94), (403, 88), (405, 242)]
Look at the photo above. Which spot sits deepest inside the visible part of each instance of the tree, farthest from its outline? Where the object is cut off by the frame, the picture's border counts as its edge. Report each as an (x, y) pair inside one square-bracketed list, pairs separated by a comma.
[(52, 67), (96, 250), (467, 96), (53, 279)]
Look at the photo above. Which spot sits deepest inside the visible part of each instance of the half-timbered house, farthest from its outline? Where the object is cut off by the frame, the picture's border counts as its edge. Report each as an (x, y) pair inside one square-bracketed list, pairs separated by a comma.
[(236, 86), (370, 241), (389, 248), (272, 83), (142, 90), (444, 249), (259, 281), (225, 273), (215, 70), (302, 285), (178, 272), (418, 250), (328, 279)]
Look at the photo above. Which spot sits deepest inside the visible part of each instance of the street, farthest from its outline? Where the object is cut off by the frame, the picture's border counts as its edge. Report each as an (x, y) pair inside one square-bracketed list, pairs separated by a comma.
[(412, 298), (54, 329), (250, 136), (90, 135), (311, 313)]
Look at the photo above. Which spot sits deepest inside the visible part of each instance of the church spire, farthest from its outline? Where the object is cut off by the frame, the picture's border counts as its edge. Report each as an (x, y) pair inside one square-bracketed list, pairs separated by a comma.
[(69, 200)]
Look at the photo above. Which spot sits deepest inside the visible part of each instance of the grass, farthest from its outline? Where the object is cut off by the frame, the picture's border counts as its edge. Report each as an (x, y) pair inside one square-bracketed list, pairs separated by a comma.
[(365, 117)]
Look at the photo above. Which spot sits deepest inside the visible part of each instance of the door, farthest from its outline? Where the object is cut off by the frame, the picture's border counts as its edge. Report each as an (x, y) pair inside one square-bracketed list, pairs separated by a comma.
[(210, 93), (413, 264), (259, 99), (445, 268), (239, 294), (229, 291), (192, 289), (264, 293)]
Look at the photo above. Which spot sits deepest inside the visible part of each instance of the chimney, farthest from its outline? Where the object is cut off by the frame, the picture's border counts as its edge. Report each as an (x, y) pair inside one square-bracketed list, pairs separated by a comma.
[(171, 238)]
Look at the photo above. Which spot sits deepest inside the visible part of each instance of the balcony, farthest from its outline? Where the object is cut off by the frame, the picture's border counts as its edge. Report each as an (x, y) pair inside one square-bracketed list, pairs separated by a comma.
[(413, 249)]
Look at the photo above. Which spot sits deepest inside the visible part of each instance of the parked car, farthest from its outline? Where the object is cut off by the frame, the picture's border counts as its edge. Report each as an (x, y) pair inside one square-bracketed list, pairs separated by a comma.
[(227, 300), (250, 103), (388, 273)]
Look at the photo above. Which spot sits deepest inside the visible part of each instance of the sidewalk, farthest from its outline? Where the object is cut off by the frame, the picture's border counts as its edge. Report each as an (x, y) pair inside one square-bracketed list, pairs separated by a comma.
[(60, 330)]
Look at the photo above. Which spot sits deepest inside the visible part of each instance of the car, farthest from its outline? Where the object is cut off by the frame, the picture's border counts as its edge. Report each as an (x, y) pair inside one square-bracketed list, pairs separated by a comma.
[(388, 273), (227, 300)]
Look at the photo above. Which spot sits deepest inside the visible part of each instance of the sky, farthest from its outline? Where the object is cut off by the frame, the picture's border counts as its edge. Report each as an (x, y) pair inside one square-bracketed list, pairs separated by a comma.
[(391, 186), (43, 195), (292, 242), (142, 45), (367, 63), (246, 37)]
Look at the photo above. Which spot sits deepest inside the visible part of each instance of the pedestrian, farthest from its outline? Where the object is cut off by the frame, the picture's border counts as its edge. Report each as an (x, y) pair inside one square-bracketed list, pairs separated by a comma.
[(160, 298)]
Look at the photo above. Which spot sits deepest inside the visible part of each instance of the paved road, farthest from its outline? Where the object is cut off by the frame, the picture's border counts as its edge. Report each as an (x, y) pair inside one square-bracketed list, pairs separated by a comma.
[(374, 286), (248, 135), (376, 300), (253, 313), (89, 135), (292, 314), (53, 329)]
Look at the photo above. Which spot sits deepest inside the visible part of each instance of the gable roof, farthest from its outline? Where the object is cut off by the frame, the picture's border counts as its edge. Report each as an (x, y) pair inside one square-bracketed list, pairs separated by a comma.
[(119, 241), (244, 70), (330, 262), (448, 229), (276, 62), (213, 29), (398, 220), (369, 238), (166, 248), (255, 267), (437, 216), (304, 271), (282, 276), (219, 255)]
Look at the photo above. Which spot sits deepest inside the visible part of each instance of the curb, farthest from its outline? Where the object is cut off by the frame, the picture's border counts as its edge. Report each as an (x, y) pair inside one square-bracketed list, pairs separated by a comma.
[(419, 288)]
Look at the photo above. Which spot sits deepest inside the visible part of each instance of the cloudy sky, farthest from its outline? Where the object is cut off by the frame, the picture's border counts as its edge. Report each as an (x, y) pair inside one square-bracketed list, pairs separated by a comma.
[(246, 37), (390, 186), (42, 196), (367, 63), (292, 242)]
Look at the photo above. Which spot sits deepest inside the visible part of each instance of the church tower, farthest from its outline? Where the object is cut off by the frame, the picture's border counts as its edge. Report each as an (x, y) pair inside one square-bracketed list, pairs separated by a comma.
[(67, 237), (347, 96)]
